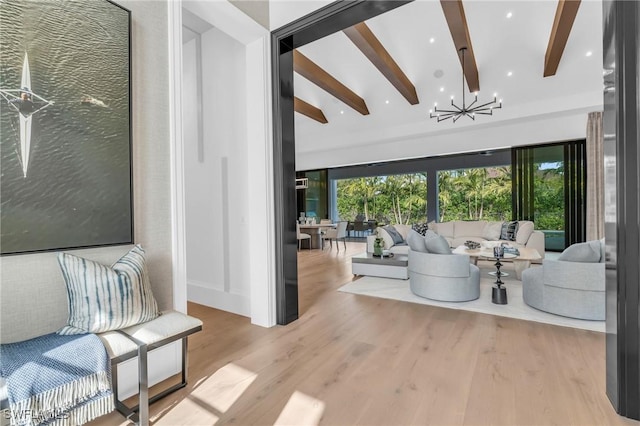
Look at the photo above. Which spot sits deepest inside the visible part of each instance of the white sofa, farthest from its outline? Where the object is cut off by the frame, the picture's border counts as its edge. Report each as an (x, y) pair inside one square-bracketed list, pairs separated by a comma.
[(457, 232), (388, 241)]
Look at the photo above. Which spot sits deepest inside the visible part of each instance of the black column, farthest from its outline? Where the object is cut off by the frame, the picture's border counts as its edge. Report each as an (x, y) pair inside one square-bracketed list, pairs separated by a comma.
[(621, 120), (432, 195), (284, 173)]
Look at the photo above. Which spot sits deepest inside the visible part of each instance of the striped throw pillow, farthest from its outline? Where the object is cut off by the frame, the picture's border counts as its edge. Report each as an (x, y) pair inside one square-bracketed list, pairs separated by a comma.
[(103, 298)]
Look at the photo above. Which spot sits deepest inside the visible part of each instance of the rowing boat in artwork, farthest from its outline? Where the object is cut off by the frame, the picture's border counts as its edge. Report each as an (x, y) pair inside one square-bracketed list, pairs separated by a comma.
[(26, 103)]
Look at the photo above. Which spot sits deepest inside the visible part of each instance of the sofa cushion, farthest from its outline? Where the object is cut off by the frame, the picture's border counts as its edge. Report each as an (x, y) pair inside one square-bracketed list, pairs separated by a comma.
[(437, 245), (492, 231), (473, 228), (420, 228), (388, 240), (403, 230), (400, 249), (416, 242), (395, 235), (102, 298), (509, 231), (446, 229), (588, 252), (433, 225), (525, 229)]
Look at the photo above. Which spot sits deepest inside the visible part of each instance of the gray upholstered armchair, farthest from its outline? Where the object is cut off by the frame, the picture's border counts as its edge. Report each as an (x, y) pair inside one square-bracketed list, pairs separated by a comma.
[(572, 286), (444, 277)]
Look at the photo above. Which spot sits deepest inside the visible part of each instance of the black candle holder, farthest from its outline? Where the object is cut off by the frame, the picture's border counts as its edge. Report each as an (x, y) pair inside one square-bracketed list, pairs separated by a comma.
[(498, 293)]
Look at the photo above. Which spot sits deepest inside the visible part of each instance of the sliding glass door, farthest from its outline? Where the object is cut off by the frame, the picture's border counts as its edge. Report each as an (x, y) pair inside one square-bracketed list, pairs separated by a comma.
[(549, 189)]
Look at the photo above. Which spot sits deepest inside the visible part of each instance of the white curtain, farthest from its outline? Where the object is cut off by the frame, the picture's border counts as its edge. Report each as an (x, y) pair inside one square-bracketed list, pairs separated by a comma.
[(595, 177)]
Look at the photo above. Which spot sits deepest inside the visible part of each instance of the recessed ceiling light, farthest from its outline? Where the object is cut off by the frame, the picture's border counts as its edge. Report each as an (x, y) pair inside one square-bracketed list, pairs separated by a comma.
[(509, 15), (509, 74), (589, 53), (341, 112), (387, 101), (431, 40), (495, 95), (442, 89)]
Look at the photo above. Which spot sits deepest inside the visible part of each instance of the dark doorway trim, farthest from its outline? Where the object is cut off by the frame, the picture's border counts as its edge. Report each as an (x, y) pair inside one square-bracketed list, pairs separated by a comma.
[(331, 18), (621, 125)]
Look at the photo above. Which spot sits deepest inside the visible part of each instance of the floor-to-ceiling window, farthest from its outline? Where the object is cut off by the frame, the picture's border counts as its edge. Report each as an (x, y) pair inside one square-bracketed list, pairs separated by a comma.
[(549, 188), (385, 199), (482, 193)]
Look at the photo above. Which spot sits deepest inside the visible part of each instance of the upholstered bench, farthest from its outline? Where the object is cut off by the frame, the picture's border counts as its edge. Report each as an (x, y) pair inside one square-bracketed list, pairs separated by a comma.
[(137, 341), (124, 341)]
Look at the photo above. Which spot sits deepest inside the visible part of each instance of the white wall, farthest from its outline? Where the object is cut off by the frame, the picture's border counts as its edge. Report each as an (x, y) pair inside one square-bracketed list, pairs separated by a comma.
[(229, 206), (217, 207), (411, 143)]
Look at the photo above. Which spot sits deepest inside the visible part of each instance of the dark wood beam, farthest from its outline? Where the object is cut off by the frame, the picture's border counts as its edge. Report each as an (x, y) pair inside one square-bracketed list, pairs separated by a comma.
[(565, 16), (309, 110), (457, 21), (364, 39), (312, 72)]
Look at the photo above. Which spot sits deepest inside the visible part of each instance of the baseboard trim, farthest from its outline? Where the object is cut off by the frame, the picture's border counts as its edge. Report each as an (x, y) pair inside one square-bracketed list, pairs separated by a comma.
[(219, 299)]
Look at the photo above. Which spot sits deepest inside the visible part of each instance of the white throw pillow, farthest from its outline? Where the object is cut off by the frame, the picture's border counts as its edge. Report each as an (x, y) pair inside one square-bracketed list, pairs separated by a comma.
[(388, 241), (492, 230), (438, 245), (416, 242), (103, 298), (525, 229)]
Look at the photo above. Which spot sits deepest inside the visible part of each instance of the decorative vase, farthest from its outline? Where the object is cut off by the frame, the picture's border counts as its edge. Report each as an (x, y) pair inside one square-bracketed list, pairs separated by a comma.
[(377, 248)]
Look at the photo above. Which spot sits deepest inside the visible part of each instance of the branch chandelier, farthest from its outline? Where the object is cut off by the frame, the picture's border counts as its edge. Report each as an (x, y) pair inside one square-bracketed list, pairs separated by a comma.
[(466, 110)]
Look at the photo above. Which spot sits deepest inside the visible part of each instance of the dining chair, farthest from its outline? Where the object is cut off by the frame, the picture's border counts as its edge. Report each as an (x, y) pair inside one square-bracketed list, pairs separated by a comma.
[(302, 236), (340, 232)]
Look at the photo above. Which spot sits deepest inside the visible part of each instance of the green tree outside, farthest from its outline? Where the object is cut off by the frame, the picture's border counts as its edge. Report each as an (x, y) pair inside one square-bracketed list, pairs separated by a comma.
[(388, 199)]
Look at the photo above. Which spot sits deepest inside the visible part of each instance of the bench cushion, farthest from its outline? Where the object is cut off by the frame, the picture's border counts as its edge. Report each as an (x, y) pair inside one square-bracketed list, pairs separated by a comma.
[(169, 324)]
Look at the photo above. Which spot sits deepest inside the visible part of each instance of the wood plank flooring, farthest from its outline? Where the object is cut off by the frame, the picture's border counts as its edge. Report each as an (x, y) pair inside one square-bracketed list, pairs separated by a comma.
[(353, 359)]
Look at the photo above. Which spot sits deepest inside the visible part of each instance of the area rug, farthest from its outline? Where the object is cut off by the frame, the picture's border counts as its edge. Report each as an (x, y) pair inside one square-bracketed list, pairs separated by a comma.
[(388, 288)]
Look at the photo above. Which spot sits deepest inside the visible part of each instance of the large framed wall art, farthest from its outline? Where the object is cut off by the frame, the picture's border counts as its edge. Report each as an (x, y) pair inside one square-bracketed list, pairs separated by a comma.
[(65, 117)]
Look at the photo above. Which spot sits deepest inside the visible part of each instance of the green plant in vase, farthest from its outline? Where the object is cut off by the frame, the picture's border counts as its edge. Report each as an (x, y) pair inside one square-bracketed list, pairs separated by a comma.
[(378, 246)]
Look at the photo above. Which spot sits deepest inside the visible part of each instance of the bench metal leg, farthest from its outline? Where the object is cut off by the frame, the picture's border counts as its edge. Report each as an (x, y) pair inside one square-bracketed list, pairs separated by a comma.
[(143, 375), (140, 413)]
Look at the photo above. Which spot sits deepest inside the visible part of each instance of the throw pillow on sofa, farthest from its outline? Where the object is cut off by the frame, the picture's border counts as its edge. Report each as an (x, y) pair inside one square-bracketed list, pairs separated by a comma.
[(103, 298), (492, 231), (416, 242), (395, 235), (525, 229), (437, 245), (382, 233), (509, 231), (420, 228), (589, 252)]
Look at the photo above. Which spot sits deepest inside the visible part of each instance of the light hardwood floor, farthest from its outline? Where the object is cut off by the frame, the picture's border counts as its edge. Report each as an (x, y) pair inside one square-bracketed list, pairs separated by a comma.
[(353, 359)]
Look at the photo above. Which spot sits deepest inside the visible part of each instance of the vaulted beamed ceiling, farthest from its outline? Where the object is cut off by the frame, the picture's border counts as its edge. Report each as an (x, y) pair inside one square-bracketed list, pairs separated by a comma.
[(400, 63)]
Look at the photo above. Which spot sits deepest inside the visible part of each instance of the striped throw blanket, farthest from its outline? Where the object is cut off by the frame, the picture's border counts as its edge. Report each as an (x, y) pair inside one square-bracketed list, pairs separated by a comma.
[(56, 380)]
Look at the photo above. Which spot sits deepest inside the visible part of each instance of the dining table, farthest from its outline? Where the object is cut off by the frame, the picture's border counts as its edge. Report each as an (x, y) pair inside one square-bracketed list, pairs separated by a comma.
[(315, 230)]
